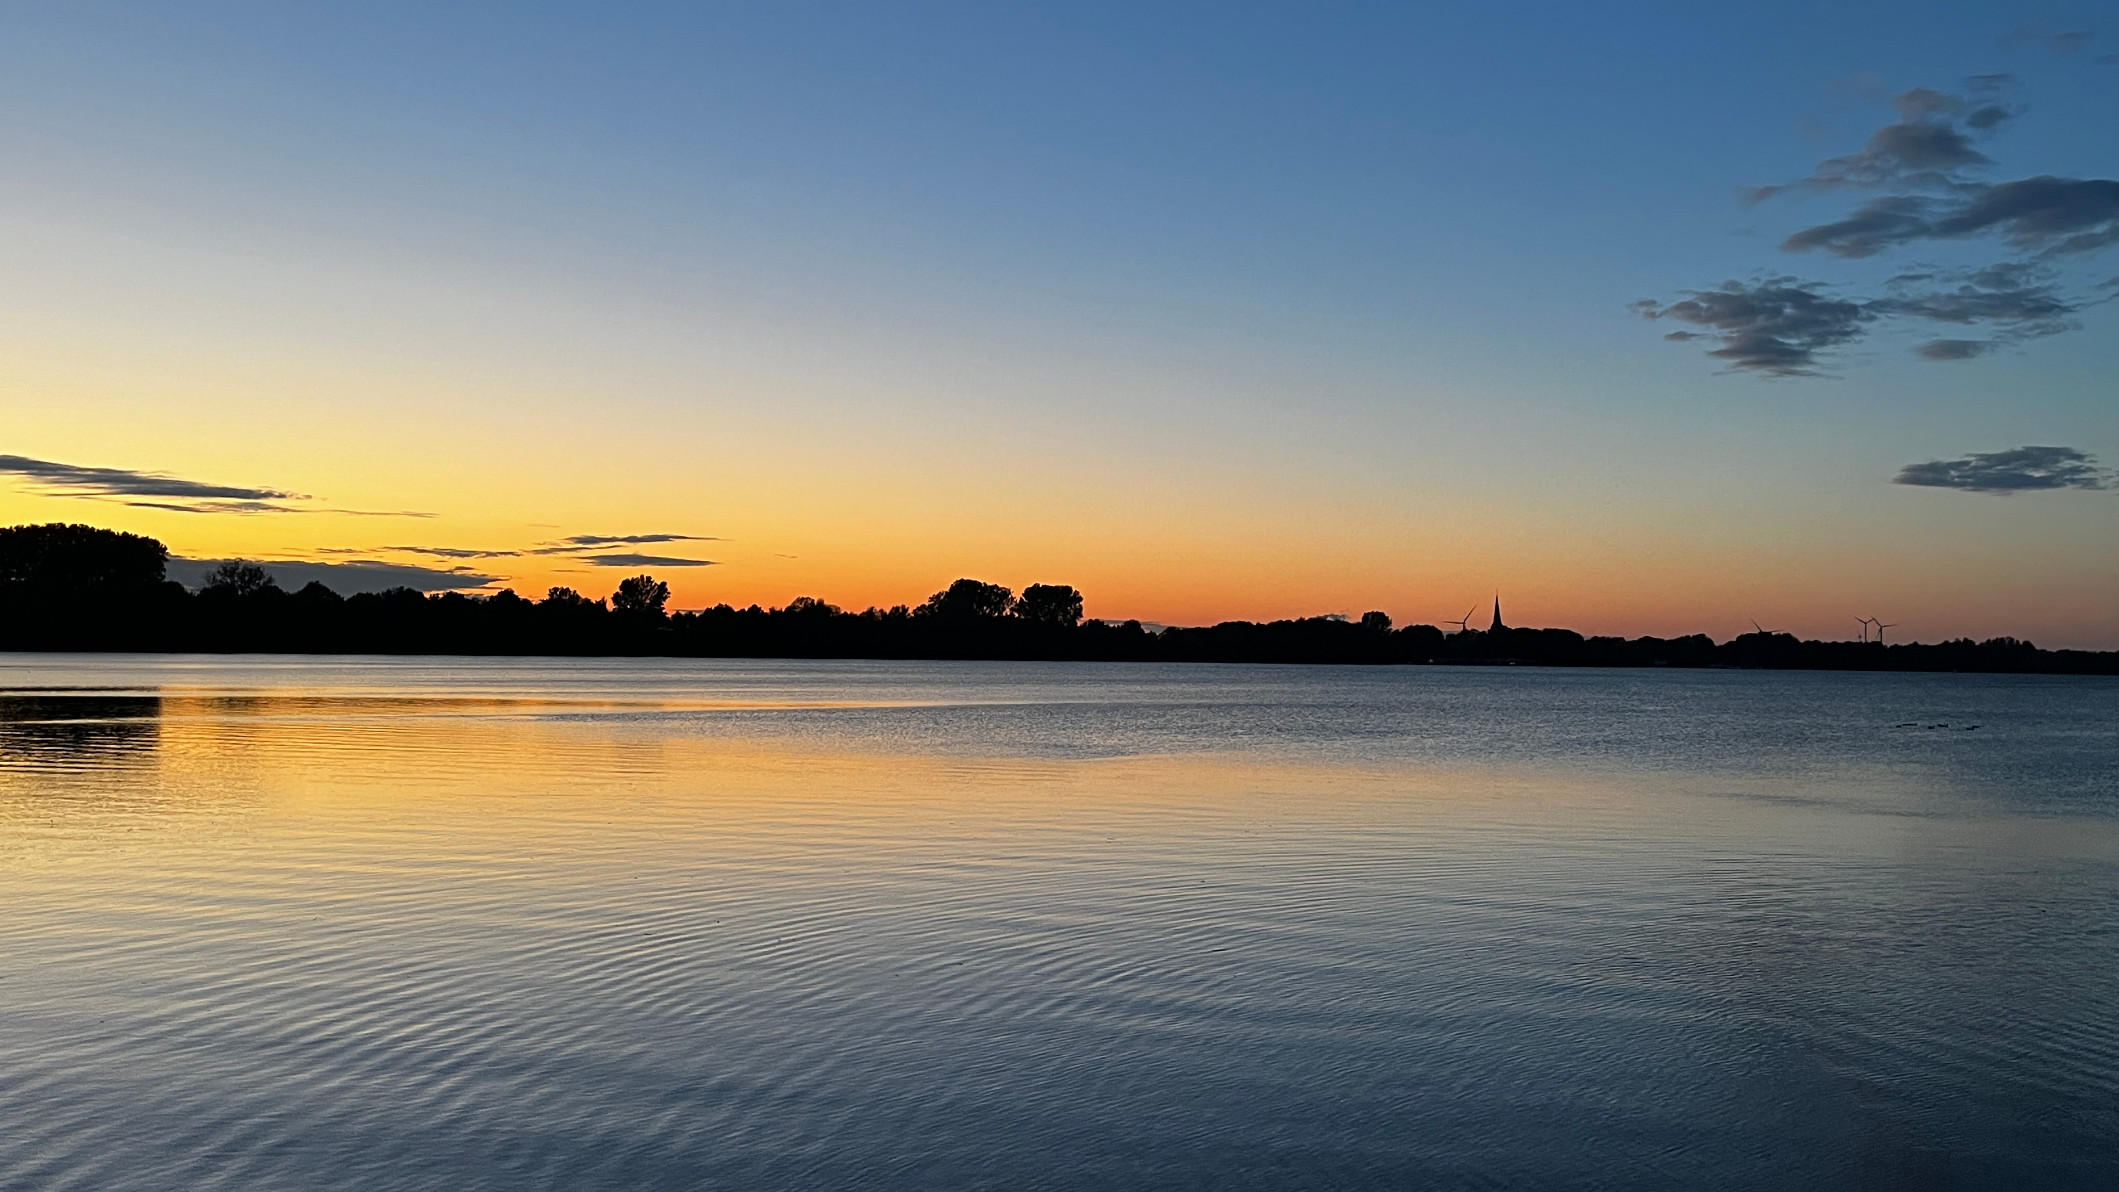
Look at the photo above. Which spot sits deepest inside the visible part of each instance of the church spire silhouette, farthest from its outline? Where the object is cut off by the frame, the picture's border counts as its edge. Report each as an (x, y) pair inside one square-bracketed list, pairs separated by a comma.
[(1498, 626)]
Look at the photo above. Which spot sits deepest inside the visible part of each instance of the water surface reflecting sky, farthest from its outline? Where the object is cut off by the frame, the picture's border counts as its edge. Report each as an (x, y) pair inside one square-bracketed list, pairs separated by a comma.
[(425, 924)]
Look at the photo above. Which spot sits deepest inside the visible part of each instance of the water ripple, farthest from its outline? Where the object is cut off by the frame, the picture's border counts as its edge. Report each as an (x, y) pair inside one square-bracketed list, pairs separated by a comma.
[(350, 924)]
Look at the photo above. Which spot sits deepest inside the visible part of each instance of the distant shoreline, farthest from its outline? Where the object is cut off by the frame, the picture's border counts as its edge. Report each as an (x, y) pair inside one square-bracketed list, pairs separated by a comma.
[(80, 588), (2101, 669), (1308, 642)]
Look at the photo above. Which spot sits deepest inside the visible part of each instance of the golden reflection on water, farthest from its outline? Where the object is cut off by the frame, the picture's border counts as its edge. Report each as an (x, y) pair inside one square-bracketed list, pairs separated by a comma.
[(314, 937), (78, 772)]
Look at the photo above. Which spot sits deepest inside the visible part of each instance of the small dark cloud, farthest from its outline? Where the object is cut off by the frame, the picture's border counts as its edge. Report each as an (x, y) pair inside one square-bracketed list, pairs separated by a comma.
[(1929, 146), (1954, 349), (626, 559), (1775, 326), (347, 578), (2020, 469)]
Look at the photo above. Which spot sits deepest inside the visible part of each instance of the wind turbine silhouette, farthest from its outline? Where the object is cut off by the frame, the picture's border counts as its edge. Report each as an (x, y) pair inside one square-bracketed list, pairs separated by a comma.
[(1880, 627), (1865, 622), (1463, 623)]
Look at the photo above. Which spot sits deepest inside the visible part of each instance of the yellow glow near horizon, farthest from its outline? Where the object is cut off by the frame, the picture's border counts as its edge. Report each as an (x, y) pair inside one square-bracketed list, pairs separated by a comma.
[(829, 484)]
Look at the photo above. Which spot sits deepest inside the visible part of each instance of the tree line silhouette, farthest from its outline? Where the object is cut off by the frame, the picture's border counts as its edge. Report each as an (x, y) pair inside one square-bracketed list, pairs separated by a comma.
[(76, 587)]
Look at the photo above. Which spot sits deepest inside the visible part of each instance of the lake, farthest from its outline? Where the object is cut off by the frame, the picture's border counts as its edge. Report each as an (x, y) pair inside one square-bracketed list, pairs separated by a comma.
[(632, 923)]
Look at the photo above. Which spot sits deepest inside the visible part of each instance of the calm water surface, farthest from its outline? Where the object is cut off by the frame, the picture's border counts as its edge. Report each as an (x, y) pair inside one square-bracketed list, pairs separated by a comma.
[(390, 924)]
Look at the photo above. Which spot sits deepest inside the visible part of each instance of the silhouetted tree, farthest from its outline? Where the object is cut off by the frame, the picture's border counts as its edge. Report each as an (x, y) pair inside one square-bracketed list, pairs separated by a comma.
[(810, 606), (238, 577), (641, 597), (72, 561), (968, 599), (1050, 604), (1376, 622), (557, 597)]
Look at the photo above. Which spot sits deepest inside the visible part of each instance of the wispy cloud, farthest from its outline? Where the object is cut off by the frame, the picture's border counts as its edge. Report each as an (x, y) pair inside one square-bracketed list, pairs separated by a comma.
[(451, 552), (581, 542), (159, 490), (2020, 469), (626, 559), (586, 548), (211, 506), (80, 480), (582, 548)]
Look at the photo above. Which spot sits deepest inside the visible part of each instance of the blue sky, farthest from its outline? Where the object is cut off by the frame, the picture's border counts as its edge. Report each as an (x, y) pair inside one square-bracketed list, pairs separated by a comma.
[(1222, 310)]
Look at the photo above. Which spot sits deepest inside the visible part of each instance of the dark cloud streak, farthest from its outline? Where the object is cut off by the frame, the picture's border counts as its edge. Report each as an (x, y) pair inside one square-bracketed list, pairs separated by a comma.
[(2020, 469), (77, 480), (581, 542), (2046, 215), (176, 494), (623, 559)]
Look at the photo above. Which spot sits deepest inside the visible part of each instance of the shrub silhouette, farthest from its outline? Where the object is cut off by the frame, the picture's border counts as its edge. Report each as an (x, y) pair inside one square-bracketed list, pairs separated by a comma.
[(238, 578), (566, 598)]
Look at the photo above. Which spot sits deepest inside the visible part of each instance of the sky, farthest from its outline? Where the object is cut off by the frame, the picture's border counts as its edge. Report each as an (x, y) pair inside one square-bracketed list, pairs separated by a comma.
[(1649, 319)]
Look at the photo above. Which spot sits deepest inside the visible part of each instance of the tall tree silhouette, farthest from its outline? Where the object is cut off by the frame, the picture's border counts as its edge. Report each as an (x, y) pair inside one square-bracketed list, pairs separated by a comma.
[(641, 597), (1050, 604), (968, 599)]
